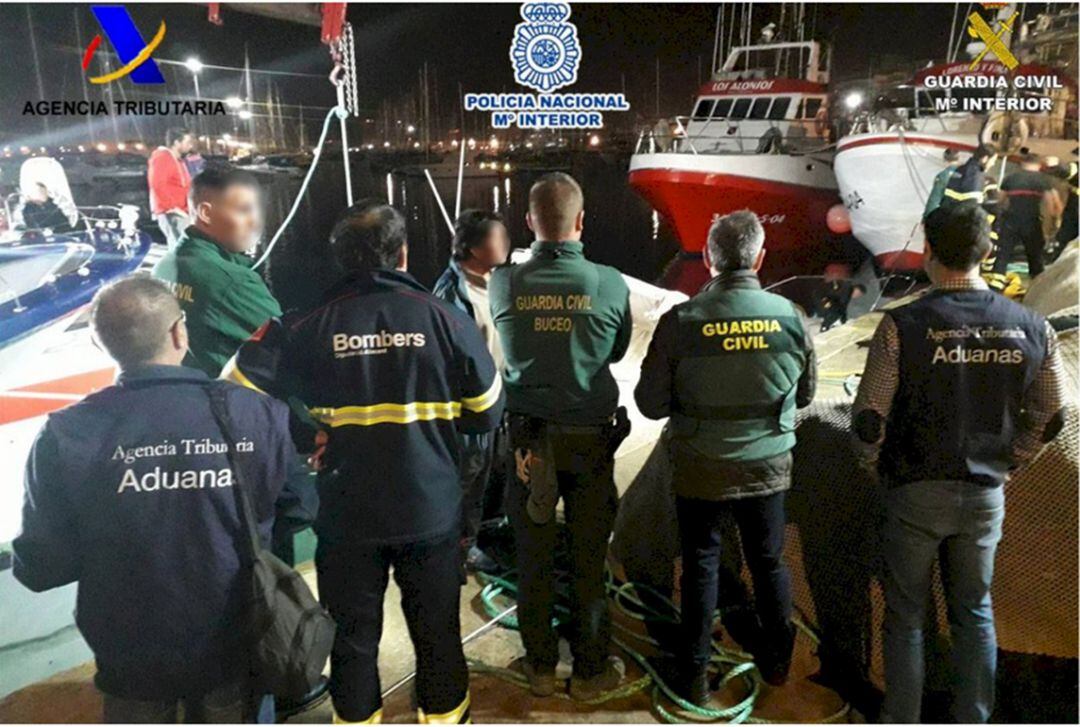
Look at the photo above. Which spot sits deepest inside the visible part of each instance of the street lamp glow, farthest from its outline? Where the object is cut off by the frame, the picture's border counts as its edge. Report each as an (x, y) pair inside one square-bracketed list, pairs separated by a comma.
[(594, 140), (853, 100), (244, 114), (234, 102), (194, 65), (410, 129)]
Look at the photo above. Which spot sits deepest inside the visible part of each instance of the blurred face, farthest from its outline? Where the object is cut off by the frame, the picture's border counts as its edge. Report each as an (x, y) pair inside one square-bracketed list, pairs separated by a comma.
[(232, 217), (186, 144), (493, 250)]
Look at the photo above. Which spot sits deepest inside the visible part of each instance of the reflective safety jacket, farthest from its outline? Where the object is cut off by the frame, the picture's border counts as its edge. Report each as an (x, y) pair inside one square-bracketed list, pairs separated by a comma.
[(562, 321), (395, 377), (729, 367), (937, 189), (130, 493), (965, 184), (223, 298)]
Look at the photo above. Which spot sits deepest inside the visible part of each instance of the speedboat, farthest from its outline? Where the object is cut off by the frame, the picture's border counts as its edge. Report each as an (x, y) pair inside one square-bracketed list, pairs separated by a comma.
[(49, 274)]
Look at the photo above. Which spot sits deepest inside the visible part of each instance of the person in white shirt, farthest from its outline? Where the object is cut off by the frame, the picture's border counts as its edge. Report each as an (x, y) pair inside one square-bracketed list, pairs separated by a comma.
[(481, 243)]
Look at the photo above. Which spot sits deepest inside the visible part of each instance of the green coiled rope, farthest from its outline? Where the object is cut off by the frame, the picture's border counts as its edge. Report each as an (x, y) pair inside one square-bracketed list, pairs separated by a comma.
[(734, 664)]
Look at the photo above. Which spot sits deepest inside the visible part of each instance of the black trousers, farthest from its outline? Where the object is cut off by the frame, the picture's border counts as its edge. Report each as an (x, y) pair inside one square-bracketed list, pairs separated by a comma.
[(483, 480), (352, 583), (761, 529), (1026, 231), (584, 467)]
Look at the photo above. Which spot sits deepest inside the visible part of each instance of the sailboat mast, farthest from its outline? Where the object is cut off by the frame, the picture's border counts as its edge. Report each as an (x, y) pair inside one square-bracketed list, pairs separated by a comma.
[(37, 64)]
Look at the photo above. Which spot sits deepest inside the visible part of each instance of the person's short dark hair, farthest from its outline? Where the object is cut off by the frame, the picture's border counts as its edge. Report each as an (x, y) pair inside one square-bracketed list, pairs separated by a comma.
[(131, 318), (982, 152), (470, 230), (216, 178), (176, 133), (735, 241), (1030, 158), (555, 200), (370, 234), (951, 155), (959, 235)]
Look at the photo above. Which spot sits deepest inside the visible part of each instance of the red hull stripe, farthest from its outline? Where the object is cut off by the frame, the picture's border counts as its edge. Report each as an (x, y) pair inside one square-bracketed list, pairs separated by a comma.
[(47, 396), (753, 87), (925, 140), (736, 182)]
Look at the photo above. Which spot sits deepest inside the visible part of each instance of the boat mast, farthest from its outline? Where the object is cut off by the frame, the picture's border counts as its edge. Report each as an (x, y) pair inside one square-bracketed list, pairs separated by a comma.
[(82, 77), (37, 65), (719, 32)]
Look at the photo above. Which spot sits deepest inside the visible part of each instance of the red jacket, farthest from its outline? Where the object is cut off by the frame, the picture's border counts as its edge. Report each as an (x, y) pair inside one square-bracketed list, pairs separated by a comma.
[(169, 182)]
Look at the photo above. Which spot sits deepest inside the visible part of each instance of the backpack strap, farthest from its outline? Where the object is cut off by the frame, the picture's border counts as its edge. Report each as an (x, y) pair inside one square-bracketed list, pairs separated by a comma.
[(244, 508)]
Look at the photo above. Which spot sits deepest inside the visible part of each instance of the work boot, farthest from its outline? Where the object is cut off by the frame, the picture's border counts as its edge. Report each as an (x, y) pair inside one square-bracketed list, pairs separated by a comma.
[(590, 688), (477, 561), (774, 664), (541, 681)]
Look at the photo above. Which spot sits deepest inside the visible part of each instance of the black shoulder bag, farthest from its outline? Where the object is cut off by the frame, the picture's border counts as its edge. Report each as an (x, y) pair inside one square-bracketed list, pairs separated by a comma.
[(288, 633)]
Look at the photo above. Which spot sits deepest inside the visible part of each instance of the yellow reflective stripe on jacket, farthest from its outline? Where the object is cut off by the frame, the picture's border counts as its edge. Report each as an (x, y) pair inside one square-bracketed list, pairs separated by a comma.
[(232, 373), (375, 718), (364, 416), (963, 196), (458, 715), (486, 400)]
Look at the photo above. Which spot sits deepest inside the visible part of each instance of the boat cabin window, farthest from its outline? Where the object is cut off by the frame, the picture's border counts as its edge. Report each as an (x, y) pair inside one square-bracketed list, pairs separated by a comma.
[(723, 108), (703, 109), (738, 111), (779, 108), (760, 109), (810, 107), (925, 101)]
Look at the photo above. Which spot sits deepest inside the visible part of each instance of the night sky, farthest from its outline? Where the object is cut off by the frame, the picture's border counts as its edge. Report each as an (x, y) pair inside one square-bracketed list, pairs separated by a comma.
[(466, 43)]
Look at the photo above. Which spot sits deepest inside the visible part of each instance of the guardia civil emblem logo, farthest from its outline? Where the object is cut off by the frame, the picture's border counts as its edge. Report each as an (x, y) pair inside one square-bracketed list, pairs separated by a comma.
[(545, 52)]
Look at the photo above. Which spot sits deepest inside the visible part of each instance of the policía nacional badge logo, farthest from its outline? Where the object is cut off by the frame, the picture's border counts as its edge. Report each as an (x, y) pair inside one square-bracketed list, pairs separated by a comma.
[(545, 52)]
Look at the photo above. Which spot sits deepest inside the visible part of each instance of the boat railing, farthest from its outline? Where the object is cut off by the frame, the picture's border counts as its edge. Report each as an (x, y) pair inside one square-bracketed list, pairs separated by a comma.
[(722, 136)]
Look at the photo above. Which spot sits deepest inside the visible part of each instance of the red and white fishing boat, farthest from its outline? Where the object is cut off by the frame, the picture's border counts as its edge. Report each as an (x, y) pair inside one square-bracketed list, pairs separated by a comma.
[(885, 166), (757, 139)]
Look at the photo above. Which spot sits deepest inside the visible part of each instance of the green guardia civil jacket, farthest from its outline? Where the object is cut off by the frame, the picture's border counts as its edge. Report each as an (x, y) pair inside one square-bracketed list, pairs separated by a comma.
[(729, 367), (562, 321), (224, 299)]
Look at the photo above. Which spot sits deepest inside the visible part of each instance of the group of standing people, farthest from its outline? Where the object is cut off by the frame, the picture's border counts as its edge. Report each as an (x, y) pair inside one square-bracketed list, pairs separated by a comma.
[(1034, 209), (404, 402)]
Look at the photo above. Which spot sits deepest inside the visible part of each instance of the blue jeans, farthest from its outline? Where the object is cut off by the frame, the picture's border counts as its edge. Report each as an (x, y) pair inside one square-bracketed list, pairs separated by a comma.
[(961, 521)]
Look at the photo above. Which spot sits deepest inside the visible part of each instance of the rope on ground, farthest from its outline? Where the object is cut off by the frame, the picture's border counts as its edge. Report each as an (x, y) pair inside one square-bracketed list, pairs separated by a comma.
[(735, 665)]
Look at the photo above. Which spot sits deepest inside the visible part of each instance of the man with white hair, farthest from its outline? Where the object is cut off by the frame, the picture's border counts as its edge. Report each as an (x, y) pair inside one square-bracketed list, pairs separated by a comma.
[(729, 367)]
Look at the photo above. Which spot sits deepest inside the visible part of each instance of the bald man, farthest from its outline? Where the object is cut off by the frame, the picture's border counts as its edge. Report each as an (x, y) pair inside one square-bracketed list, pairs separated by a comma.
[(562, 322), (130, 494)]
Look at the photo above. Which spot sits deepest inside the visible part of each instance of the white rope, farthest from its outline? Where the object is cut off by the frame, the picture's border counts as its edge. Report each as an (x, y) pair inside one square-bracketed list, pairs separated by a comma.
[(438, 199), (303, 186)]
